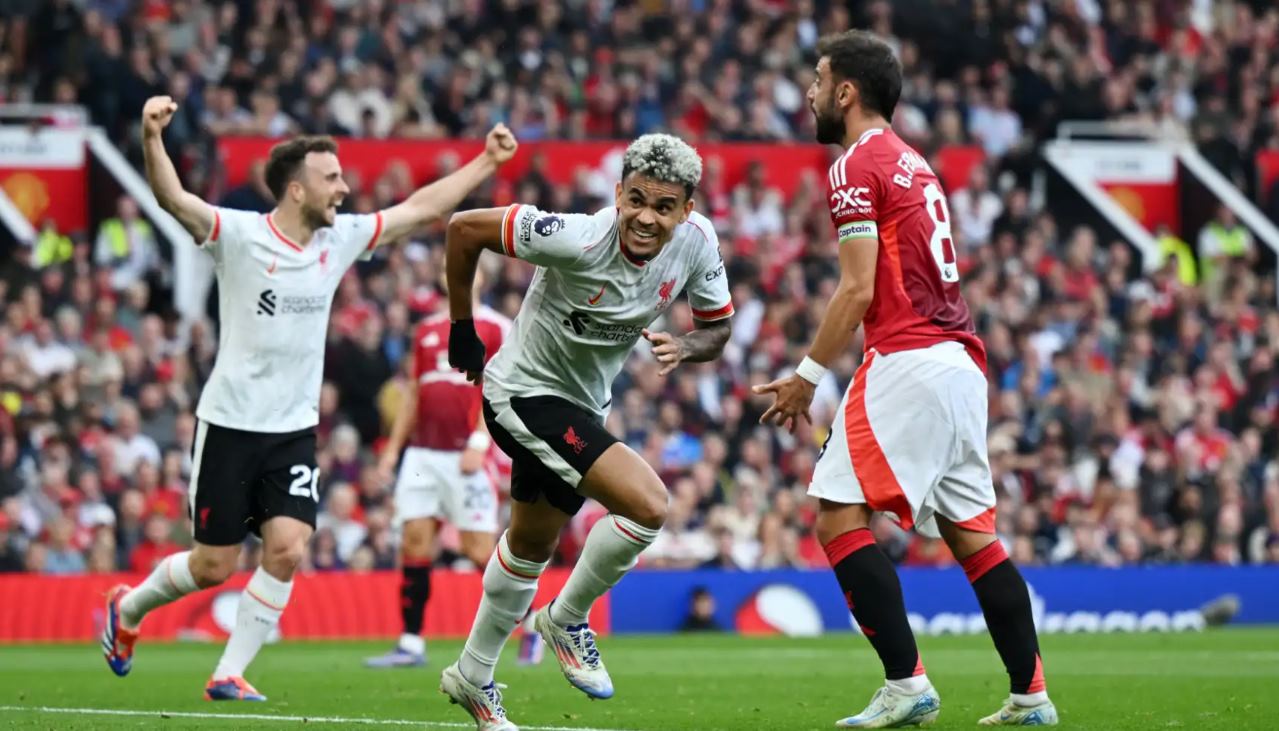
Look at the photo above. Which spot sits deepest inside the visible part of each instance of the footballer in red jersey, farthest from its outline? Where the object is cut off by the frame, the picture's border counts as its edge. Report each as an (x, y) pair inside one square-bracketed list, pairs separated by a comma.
[(443, 475), (909, 438)]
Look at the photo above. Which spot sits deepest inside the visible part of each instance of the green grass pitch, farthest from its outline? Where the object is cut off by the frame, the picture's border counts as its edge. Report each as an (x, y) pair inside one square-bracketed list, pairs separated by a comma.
[(1225, 679)]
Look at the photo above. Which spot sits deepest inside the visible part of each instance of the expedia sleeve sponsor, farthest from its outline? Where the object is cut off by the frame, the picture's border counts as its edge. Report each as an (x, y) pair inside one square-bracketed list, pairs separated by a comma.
[(858, 230), (707, 288)]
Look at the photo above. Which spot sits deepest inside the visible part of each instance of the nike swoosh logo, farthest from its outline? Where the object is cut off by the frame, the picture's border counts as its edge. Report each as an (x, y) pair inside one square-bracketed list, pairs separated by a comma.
[(271, 269), (595, 300)]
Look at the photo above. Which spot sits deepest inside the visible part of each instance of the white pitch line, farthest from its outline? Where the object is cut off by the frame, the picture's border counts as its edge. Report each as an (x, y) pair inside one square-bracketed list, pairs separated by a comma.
[(266, 717)]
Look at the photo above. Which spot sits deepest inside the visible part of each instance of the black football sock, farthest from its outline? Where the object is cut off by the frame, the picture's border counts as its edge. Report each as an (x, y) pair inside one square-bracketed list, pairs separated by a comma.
[(1005, 601), (874, 594), (415, 590)]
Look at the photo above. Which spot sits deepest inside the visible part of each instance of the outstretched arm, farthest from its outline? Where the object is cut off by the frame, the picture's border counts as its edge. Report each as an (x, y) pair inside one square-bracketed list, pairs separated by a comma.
[(196, 216), (432, 202)]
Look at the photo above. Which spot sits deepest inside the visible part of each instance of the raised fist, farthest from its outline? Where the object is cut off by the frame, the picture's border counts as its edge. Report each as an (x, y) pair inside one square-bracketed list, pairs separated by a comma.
[(500, 145), (157, 113)]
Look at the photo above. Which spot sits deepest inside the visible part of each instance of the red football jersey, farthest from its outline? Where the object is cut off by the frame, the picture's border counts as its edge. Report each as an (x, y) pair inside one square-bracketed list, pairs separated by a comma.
[(448, 407), (882, 188)]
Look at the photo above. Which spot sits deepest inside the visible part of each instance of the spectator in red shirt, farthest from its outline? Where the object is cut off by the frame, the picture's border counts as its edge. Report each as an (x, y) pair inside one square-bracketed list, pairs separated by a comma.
[(1203, 446), (155, 545), (1080, 273), (158, 499)]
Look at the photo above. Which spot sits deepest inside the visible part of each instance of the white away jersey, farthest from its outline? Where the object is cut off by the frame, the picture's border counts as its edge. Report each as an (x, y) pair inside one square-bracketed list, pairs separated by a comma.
[(274, 298), (590, 299)]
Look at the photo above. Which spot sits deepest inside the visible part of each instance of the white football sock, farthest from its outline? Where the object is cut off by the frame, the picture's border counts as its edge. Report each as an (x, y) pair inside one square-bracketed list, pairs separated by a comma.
[(529, 623), (1030, 700), (261, 604), (415, 644), (510, 583), (913, 685), (169, 581), (612, 549)]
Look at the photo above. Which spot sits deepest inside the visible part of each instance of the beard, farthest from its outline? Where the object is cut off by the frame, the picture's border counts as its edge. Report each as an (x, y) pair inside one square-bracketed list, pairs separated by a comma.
[(830, 126), (314, 217)]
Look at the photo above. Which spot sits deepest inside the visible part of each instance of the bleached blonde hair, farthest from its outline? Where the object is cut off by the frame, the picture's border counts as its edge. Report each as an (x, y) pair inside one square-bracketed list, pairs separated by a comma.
[(665, 158)]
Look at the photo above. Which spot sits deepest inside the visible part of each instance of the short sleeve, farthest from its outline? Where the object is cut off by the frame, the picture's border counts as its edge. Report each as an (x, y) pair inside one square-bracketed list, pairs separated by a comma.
[(856, 194), (707, 286), (229, 226), (547, 239), (357, 235)]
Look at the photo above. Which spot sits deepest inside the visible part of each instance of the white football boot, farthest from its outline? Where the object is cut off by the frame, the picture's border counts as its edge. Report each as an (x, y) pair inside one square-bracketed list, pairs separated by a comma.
[(891, 709), (1044, 714), (579, 658), (484, 704)]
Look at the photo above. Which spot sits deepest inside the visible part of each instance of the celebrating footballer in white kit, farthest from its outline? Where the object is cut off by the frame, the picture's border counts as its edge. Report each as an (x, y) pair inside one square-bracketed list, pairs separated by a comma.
[(602, 280), (254, 466)]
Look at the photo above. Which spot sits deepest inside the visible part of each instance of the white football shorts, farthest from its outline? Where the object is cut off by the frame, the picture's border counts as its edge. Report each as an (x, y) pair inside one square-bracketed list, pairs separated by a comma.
[(431, 485), (909, 440)]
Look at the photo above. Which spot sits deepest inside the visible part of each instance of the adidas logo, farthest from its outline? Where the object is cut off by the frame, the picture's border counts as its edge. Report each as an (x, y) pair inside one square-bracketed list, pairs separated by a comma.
[(266, 303)]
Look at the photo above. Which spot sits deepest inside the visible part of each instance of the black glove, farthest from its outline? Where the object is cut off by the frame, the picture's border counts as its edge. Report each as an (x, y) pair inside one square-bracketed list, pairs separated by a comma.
[(466, 350)]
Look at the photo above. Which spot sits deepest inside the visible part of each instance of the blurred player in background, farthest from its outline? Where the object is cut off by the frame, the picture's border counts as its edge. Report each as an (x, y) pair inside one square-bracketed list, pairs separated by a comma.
[(910, 436), (602, 280), (253, 467), (442, 476)]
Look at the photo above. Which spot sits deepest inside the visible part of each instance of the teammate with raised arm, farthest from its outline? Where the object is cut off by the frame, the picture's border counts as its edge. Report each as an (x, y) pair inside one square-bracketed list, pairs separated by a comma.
[(909, 438), (602, 280), (442, 476), (254, 466)]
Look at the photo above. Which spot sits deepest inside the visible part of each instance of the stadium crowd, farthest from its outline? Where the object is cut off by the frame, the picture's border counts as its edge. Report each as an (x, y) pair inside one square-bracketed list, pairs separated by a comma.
[(1133, 416)]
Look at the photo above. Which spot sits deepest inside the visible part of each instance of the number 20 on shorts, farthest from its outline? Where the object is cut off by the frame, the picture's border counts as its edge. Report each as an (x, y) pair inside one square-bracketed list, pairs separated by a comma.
[(306, 482)]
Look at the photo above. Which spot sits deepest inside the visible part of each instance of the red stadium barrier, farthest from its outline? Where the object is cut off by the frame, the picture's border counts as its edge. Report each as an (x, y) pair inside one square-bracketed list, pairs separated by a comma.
[(323, 606), (956, 162), (786, 164)]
